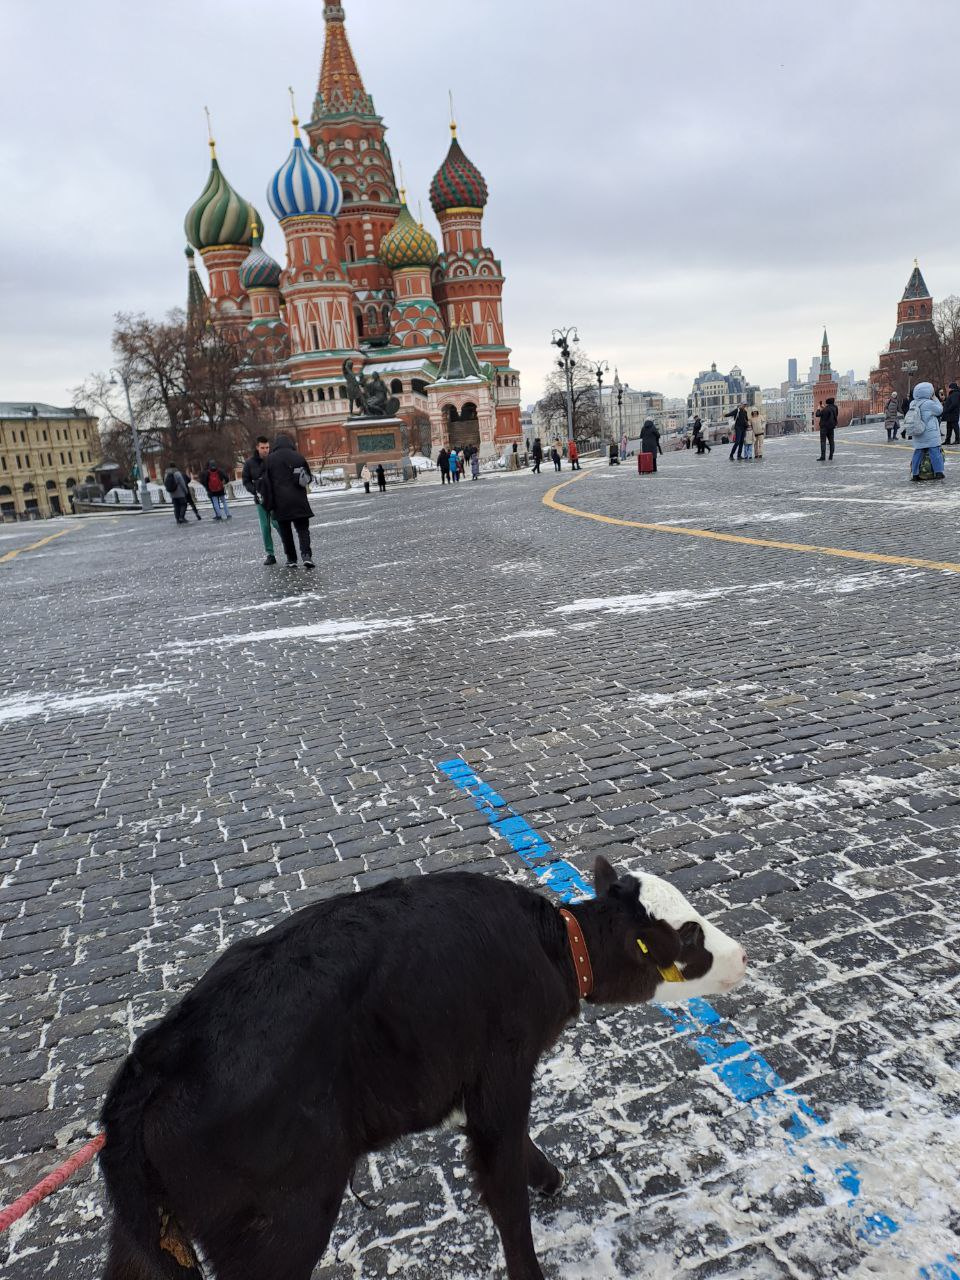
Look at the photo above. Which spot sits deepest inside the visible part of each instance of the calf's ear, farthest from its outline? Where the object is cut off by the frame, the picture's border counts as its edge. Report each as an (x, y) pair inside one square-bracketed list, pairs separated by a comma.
[(604, 876)]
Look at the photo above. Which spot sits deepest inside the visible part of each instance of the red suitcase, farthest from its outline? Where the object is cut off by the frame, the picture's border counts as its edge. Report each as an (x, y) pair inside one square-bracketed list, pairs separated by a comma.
[(644, 463)]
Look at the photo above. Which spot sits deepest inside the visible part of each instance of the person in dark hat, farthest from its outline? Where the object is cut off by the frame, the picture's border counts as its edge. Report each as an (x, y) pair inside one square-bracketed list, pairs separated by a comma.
[(827, 417), (283, 488), (951, 414)]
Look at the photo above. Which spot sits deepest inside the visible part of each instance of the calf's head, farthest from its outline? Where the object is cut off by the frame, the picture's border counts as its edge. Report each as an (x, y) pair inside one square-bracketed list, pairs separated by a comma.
[(653, 945)]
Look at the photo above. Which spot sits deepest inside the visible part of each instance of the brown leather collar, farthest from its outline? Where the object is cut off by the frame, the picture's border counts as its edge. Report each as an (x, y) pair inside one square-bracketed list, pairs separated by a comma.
[(579, 952)]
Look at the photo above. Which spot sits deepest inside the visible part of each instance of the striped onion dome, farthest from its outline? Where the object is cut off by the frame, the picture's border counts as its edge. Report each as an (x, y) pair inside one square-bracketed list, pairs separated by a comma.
[(302, 186), (258, 270), (458, 183), (407, 244), (220, 216)]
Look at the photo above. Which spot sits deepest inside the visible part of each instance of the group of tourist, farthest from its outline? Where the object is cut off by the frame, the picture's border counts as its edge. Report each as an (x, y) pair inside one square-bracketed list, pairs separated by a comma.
[(213, 478), (453, 463)]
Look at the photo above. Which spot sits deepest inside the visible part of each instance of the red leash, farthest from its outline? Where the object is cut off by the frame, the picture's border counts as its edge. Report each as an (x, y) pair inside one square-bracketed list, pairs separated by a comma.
[(14, 1212)]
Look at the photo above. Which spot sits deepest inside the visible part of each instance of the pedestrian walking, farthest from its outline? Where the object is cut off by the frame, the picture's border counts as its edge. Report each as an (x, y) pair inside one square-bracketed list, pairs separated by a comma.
[(758, 422), (922, 423), (454, 464), (215, 480), (573, 453), (191, 500), (951, 414), (381, 478), (827, 416), (175, 483), (515, 457), (366, 475), (537, 455), (443, 462), (555, 458), (475, 465), (891, 417), (699, 439), (650, 440), (251, 477), (285, 483), (740, 423)]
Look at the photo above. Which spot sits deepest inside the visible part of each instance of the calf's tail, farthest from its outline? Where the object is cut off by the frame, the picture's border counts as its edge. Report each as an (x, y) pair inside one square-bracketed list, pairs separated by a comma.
[(145, 1242)]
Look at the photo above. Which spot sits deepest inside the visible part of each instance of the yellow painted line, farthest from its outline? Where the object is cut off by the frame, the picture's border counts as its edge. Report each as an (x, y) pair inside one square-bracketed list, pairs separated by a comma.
[(874, 557), (12, 555)]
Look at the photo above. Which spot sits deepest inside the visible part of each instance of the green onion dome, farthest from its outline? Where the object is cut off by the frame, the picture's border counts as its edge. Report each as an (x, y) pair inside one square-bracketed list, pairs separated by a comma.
[(220, 216), (407, 244), (458, 183), (258, 270)]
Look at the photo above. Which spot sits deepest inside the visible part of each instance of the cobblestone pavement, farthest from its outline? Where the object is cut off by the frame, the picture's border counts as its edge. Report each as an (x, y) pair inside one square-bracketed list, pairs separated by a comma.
[(193, 745)]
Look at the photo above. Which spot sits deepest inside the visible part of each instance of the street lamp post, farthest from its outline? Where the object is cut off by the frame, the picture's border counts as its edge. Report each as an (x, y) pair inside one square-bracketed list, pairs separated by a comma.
[(599, 368), (908, 367), (620, 443), (144, 492), (561, 339)]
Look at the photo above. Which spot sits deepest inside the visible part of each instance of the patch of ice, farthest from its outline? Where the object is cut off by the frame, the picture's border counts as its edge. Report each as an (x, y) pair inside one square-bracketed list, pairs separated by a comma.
[(532, 634), (25, 706), (333, 631)]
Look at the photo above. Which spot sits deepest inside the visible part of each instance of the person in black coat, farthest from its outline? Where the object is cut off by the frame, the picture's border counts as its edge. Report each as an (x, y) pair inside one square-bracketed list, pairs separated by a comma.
[(650, 440), (827, 417), (537, 452), (286, 498), (741, 421), (381, 478), (951, 414), (443, 462)]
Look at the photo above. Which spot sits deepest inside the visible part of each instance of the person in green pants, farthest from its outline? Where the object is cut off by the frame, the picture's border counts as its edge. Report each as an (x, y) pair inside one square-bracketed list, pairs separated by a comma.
[(253, 470)]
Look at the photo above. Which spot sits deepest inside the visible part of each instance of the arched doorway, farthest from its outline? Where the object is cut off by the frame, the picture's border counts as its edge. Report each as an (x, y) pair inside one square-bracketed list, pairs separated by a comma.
[(462, 426)]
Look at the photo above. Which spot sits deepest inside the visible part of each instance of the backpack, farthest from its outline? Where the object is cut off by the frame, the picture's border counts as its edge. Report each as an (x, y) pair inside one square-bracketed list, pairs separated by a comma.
[(170, 482), (214, 482), (925, 469), (912, 420)]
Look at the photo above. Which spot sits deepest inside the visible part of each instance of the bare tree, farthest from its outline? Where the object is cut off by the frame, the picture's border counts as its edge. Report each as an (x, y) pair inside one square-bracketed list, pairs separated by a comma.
[(552, 406)]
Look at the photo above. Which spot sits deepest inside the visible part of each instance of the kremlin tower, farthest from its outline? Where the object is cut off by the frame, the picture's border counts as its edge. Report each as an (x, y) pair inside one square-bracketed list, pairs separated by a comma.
[(364, 282), (912, 343)]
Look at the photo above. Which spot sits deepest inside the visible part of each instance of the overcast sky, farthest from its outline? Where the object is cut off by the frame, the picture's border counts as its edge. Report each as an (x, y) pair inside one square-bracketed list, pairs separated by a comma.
[(684, 180)]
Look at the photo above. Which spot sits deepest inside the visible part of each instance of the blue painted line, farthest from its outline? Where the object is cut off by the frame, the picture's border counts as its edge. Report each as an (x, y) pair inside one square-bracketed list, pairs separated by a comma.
[(742, 1071)]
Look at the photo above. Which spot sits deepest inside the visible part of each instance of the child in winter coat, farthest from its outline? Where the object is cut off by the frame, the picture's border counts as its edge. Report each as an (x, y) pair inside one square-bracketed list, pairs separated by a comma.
[(923, 424), (748, 438)]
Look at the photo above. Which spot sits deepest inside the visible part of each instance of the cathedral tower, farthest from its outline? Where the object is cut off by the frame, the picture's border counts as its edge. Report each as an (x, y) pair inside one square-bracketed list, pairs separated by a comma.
[(349, 137), (306, 198), (218, 224)]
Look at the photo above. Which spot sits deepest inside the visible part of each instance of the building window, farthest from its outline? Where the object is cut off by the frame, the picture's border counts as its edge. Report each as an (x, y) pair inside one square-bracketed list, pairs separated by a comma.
[(396, 387), (62, 459), (315, 335)]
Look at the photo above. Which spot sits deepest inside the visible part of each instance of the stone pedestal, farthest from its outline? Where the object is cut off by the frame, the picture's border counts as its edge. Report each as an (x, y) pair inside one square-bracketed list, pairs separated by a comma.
[(373, 440)]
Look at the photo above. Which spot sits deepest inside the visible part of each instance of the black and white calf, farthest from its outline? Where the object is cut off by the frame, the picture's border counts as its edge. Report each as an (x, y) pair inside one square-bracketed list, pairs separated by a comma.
[(234, 1124)]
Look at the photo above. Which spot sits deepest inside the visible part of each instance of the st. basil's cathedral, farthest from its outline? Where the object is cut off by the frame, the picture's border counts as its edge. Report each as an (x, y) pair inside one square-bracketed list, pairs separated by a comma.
[(364, 282)]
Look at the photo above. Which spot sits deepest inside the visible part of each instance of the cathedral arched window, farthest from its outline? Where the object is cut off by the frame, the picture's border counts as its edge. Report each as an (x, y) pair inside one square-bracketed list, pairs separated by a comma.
[(320, 395), (418, 386), (351, 251), (358, 316), (372, 317), (386, 317), (396, 387)]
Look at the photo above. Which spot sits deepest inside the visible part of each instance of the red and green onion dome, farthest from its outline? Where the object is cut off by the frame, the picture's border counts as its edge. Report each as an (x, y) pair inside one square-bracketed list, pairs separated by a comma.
[(407, 244), (458, 183), (220, 216), (258, 270)]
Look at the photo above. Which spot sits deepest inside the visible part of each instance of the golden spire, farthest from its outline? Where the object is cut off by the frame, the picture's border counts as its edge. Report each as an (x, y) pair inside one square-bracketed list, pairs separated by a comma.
[(403, 187), (420, 214), (210, 142), (294, 120), (453, 122), (254, 229)]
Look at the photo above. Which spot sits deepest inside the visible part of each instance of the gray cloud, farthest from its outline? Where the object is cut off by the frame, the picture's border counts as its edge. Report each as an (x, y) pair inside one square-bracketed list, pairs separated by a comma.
[(685, 181)]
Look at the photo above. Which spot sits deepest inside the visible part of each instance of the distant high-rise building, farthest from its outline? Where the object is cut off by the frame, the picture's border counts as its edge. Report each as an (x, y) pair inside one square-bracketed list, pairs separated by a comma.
[(792, 371), (814, 372)]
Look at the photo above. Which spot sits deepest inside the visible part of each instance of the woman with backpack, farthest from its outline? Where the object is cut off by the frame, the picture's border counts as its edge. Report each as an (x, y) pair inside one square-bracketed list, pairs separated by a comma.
[(286, 479), (215, 480), (922, 424)]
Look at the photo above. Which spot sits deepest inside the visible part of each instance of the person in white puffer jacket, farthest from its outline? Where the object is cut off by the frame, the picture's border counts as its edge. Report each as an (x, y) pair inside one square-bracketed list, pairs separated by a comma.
[(926, 435)]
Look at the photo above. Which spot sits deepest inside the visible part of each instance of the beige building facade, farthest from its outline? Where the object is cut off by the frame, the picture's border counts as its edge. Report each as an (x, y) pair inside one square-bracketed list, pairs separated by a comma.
[(44, 453)]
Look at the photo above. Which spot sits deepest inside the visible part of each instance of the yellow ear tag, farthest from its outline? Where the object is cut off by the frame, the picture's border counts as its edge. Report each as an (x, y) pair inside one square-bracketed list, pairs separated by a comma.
[(671, 973)]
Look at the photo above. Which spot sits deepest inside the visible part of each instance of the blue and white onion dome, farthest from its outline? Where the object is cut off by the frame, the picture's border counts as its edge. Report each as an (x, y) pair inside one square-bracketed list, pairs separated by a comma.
[(302, 185)]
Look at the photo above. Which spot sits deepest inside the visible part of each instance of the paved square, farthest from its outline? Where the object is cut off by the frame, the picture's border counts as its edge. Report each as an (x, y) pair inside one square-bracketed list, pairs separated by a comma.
[(193, 745)]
